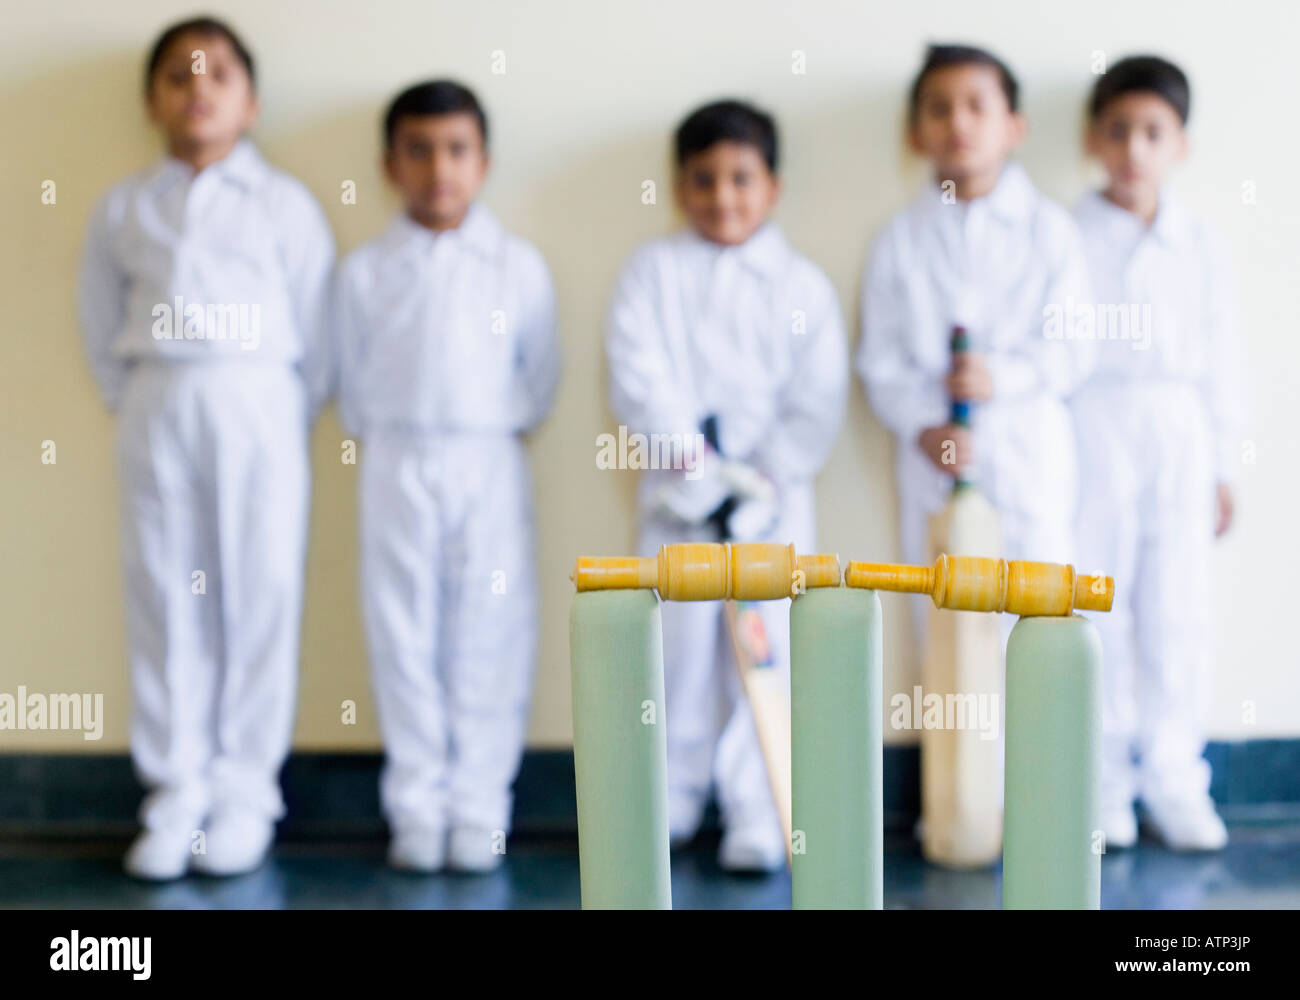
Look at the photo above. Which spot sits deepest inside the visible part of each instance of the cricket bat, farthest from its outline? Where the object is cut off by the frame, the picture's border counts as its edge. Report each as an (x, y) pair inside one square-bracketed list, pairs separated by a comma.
[(961, 767), (767, 699)]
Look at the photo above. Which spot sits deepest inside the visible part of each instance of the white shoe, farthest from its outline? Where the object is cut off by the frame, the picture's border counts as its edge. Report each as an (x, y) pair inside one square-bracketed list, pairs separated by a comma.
[(1119, 824), (474, 849), (1187, 823), (236, 841), (752, 847), (418, 849), (159, 855)]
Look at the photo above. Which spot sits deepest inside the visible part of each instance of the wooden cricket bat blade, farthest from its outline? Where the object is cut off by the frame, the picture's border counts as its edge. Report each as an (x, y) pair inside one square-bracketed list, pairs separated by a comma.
[(962, 664), (769, 702)]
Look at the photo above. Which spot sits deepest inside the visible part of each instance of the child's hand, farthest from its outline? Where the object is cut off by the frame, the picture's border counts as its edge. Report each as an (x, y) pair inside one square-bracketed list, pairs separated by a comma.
[(1224, 510), (948, 447), (970, 381)]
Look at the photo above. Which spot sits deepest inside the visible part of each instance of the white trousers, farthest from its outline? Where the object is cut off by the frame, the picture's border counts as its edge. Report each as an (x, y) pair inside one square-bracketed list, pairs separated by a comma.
[(450, 602), (1147, 518), (215, 481)]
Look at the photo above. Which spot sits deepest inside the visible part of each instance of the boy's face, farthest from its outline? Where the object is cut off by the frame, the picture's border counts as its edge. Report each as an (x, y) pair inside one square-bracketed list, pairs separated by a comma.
[(437, 163), (201, 101), (1137, 137), (963, 123), (726, 192)]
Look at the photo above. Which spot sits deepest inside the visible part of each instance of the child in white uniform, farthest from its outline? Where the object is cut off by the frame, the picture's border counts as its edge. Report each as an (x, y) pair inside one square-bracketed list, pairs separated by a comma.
[(1159, 428), (983, 249), (447, 357), (724, 331), (200, 297)]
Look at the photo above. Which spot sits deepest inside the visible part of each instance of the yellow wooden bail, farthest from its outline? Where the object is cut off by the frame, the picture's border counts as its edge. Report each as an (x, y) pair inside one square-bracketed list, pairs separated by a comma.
[(761, 572), (820, 570), (615, 573), (973, 583), (744, 571), (694, 572)]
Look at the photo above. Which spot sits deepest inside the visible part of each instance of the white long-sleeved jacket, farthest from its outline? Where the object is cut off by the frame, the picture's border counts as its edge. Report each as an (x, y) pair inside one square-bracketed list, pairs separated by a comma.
[(233, 262), (994, 265), (751, 334), (447, 331), (1166, 311)]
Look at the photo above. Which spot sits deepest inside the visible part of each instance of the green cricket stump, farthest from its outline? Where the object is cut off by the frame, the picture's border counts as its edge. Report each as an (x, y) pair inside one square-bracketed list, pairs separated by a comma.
[(837, 857), (1051, 848), (620, 752)]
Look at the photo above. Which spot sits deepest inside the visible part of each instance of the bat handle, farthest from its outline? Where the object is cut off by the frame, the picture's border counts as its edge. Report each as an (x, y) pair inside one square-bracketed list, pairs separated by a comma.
[(961, 408)]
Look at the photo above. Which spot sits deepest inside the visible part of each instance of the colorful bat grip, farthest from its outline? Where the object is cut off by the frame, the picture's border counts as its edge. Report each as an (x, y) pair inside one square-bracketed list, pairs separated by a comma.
[(961, 408)]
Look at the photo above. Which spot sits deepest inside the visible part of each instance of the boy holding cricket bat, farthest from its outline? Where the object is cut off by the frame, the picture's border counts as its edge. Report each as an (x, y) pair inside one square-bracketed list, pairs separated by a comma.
[(963, 356), (724, 334), (980, 249)]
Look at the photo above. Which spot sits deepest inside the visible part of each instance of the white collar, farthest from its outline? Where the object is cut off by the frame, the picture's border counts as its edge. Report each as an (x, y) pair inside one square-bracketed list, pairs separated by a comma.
[(1169, 226), (243, 165), (479, 231), (766, 252), (1012, 197)]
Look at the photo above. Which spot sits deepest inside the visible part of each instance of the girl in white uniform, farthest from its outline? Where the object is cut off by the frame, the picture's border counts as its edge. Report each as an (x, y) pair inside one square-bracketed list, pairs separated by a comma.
[(200, 298)]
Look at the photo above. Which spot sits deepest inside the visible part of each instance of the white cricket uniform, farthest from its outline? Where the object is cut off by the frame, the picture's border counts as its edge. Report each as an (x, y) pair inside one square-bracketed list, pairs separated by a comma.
[(1158, 423), (200, 301), (447, 354), (752, 334), (994, 265)]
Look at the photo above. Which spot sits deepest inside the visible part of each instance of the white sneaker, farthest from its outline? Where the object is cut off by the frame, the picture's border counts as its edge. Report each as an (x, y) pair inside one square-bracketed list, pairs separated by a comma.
[(752, 847), (159, 855), (1119, 824), (1187, 823), (236, 841), (418, 849), (473, 849)]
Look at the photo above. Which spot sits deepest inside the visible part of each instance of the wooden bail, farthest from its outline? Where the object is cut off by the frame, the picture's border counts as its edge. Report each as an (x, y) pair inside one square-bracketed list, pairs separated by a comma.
[(748, 571), (972, 583), (694, 572)]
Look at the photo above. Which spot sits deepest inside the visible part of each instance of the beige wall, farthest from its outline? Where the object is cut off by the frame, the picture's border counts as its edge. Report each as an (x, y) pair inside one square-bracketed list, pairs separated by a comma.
[(581, 117)]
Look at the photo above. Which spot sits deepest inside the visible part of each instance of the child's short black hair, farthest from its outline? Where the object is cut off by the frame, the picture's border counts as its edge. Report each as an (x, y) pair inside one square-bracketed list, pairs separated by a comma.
[(209, 27), (939, 57), (1142, 74), (727, 121), (433, 97)]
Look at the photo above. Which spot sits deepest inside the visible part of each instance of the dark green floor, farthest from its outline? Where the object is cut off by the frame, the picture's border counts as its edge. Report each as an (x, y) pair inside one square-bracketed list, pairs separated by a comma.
[(1259, 869)]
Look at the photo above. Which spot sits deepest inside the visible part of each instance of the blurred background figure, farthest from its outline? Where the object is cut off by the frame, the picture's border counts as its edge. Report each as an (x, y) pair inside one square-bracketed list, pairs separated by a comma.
[(983, 249), (447, 355), (1159, 431), (200, 298), (724, 334)]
